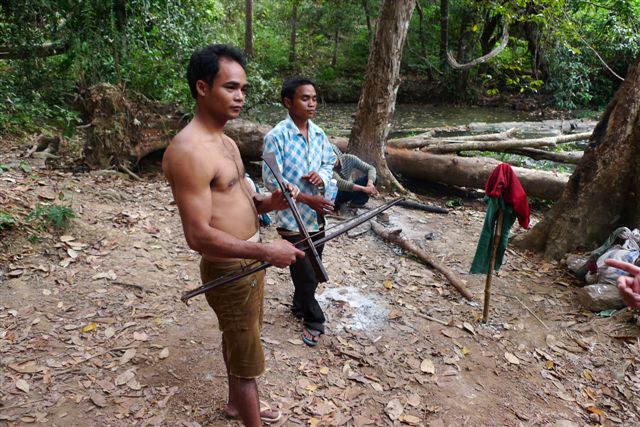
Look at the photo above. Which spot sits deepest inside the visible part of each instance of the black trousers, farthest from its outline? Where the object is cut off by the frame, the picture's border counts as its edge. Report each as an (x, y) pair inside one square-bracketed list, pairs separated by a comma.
[(359, 198), (305, 283)]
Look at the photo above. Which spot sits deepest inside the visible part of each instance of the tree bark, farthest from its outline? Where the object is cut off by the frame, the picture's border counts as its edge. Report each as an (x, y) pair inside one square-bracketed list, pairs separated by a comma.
[(382, 79), (602, 193), (248, 28)]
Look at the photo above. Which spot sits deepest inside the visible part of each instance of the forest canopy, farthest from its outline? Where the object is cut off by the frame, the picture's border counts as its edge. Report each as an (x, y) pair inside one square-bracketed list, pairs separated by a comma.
[(572, 52)]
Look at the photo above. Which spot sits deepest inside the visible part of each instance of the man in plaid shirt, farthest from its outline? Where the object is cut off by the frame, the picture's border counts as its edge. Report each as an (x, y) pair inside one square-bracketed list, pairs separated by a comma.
[(306, 158)]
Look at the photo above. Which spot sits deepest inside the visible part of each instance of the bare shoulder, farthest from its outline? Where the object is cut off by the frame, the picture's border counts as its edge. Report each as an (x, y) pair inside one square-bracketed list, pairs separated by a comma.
[(230, 142), (187, 156)]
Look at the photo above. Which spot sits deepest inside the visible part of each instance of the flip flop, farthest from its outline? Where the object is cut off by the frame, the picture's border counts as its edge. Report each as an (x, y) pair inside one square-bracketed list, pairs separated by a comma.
[(314, 333), (264, 406)]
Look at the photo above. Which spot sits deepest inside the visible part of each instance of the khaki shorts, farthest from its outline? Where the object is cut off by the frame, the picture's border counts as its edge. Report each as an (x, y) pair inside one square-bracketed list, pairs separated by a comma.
[(239, 308)]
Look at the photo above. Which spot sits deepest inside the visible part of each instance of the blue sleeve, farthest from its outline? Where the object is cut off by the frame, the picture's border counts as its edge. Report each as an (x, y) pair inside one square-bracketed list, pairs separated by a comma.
[(271, 143), (328, 160)]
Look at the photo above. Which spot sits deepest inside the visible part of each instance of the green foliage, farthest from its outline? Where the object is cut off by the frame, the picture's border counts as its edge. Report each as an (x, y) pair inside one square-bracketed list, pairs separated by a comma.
[(455, 202), (53, 216), (6, 220), (144, 45)]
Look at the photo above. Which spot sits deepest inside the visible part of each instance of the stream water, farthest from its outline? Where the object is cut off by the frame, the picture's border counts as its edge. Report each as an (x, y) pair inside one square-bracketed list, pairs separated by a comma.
[(337, 119)]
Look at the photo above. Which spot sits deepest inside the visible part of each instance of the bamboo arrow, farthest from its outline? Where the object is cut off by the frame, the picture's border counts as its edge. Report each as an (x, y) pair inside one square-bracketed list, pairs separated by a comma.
[(352, 223), (270, 160)]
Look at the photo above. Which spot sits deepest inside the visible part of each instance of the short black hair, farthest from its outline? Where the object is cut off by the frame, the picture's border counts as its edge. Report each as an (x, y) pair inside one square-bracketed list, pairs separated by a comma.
[(205, 64), (291, 84)]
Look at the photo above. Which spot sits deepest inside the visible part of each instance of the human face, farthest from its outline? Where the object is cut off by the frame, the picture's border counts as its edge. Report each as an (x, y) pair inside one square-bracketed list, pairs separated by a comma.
[(303, 105), (225, 97)]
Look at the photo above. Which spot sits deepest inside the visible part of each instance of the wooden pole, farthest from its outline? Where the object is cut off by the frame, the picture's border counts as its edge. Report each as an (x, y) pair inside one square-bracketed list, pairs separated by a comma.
[(497, 235)]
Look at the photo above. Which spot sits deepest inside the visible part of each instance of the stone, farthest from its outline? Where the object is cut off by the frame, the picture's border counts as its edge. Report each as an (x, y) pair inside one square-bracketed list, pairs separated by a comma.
[(600, 296)]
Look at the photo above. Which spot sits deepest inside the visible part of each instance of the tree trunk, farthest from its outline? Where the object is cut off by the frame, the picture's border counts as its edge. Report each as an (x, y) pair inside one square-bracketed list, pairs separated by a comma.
[(463, 47), (334, 57), (292, 36), (382, 79), (423, 37), (367, 15), (248, 28), (602, 193), (444, 33)]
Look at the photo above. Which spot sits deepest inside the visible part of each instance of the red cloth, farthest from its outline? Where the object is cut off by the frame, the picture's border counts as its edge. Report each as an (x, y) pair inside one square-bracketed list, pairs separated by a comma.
[(503, 181)]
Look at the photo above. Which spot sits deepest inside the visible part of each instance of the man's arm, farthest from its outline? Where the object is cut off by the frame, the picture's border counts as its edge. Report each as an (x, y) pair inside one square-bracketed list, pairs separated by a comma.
[(190, 176)]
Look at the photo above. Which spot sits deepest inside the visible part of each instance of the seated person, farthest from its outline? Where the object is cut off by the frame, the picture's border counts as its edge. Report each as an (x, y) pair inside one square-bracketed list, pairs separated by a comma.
[(356, 192)]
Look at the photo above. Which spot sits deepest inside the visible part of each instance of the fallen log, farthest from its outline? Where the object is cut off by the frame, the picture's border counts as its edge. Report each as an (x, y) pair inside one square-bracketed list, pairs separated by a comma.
[(455, 146), (471, 172), (571, 157), (428, 138), (395, 238), (412, 204)]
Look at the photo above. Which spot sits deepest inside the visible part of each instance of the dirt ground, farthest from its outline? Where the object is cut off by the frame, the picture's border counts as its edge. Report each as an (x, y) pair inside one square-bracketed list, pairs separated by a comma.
[(93, 333)]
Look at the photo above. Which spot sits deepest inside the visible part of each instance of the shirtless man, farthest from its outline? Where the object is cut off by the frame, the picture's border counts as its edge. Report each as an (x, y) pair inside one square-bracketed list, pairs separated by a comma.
[(219, 214)]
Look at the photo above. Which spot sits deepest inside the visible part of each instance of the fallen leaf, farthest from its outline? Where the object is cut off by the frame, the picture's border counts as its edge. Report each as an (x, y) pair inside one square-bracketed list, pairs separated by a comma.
[(594, 410), (164, 353), (129, 354), (549, 364), (388, 284), (22, 385), (125, 377), (90, 327), (30, 367), (140, 336), (587, 375), (313, 422), (109, 332), (98, 399), (394, 409), (511, 358), (324, 370), (295, 341), (428, 366), (467, 326), (409, 419), (72, 254), (413, 400)]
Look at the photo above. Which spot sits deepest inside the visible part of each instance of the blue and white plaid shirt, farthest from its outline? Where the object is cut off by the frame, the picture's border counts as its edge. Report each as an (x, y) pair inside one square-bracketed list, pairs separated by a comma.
[(297, 158)]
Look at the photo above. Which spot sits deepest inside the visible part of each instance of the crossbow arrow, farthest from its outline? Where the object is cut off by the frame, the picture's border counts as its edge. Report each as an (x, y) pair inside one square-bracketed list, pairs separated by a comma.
[(304, 244)]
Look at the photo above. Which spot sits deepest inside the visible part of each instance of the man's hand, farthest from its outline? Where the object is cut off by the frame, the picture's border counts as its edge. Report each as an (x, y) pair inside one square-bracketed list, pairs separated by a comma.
[(317, 203), (629, 286), (314, 179), (282, 253), (276, 201), (371, 189)]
